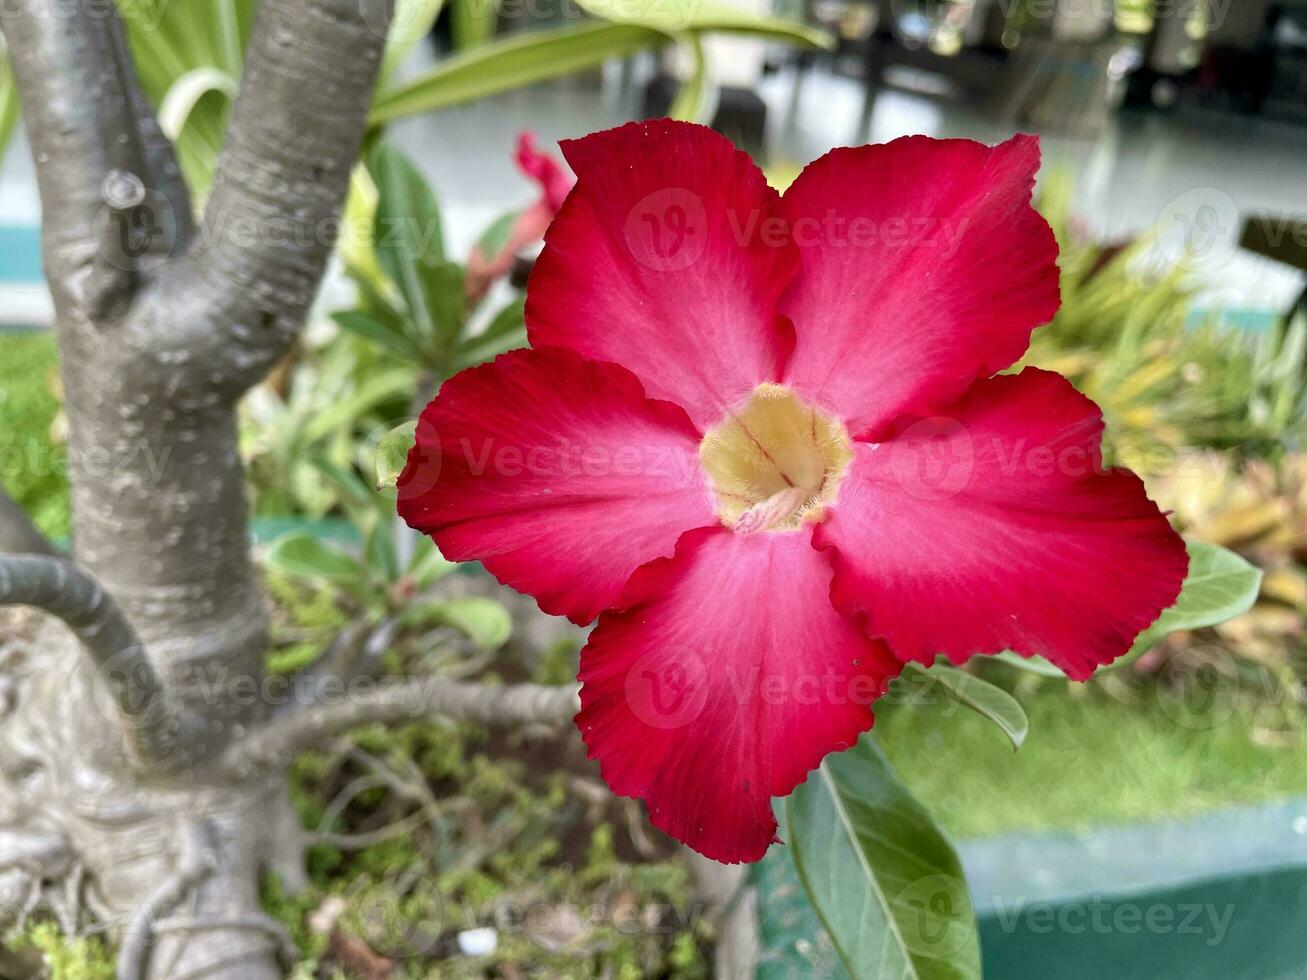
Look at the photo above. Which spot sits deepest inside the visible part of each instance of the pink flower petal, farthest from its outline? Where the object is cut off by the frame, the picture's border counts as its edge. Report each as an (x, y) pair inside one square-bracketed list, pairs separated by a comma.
[(922, 268), (555, 182), (557, 474), (725, 679), (996, 527), (656, 262)]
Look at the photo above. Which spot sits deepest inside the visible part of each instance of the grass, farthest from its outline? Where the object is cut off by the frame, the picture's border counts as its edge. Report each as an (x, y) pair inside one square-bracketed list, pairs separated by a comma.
[(1090, 759), (31, 463)]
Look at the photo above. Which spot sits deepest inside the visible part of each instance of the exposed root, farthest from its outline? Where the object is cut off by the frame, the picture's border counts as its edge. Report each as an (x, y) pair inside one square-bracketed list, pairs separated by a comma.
[(197, 861)]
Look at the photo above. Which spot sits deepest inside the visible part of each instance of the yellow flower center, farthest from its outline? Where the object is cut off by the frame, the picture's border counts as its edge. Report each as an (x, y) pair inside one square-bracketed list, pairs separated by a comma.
[(776, 463)]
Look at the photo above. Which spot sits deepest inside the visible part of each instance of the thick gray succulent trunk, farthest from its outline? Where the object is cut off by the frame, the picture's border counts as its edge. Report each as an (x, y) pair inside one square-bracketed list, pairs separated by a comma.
[(141, 783)]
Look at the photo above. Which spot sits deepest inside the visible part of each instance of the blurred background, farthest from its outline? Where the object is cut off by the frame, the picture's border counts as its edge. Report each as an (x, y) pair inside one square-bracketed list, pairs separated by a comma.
[(1175, 176)]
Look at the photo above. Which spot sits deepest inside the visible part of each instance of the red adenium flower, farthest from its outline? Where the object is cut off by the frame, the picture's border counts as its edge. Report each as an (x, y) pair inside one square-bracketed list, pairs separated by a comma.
[(759, 437), (529, 226)]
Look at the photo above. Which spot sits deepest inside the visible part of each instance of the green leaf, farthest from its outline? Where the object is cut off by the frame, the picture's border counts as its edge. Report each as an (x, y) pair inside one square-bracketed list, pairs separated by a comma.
[(412, 22), (981, 697), (484, 621), (185, 94), (472, 22), (794, 945), (352, 487), (675, 16), (495, 237), (408, 238), (372, 302), (446, 290), (300, 554), (9, 109), (379, 549), (511, 63), (429, 565), (364, 325), (697, 99), (505, 332), (375, 390), (879, 872), (392, 453), (1219, 586)]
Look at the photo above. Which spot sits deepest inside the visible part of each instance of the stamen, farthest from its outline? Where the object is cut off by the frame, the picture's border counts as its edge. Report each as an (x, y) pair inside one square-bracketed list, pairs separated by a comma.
[(772, 512)]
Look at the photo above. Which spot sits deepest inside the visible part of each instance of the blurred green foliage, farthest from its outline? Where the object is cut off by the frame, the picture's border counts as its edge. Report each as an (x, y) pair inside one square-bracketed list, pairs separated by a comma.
[(82, 958), (1125, 336), (32, 458)]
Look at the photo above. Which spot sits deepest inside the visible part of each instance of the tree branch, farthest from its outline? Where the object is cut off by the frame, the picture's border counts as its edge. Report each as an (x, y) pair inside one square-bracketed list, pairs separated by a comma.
[(63, 590), (399, 702), (272, 218), (18, 535), (90, 128)]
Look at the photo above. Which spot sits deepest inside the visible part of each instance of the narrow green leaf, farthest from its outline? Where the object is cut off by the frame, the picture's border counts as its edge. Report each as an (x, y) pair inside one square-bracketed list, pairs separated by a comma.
[(429, 565), (980, 696), (392, 453), (373, 391), (675, 16), (697, 99), (879, 872), (1220, 585), (364, 325), (379, 549), (482, 620), (472, 22), (372, 302), (412, 22), (408, 238), (495, 237), (446, 295), (185, 94), (510, 63), (504, 333), (300, 554), (346, 480), (9, 109)]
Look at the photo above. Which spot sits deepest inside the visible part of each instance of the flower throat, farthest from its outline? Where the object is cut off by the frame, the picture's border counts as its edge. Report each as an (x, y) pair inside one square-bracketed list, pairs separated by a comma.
[(776, 463)]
